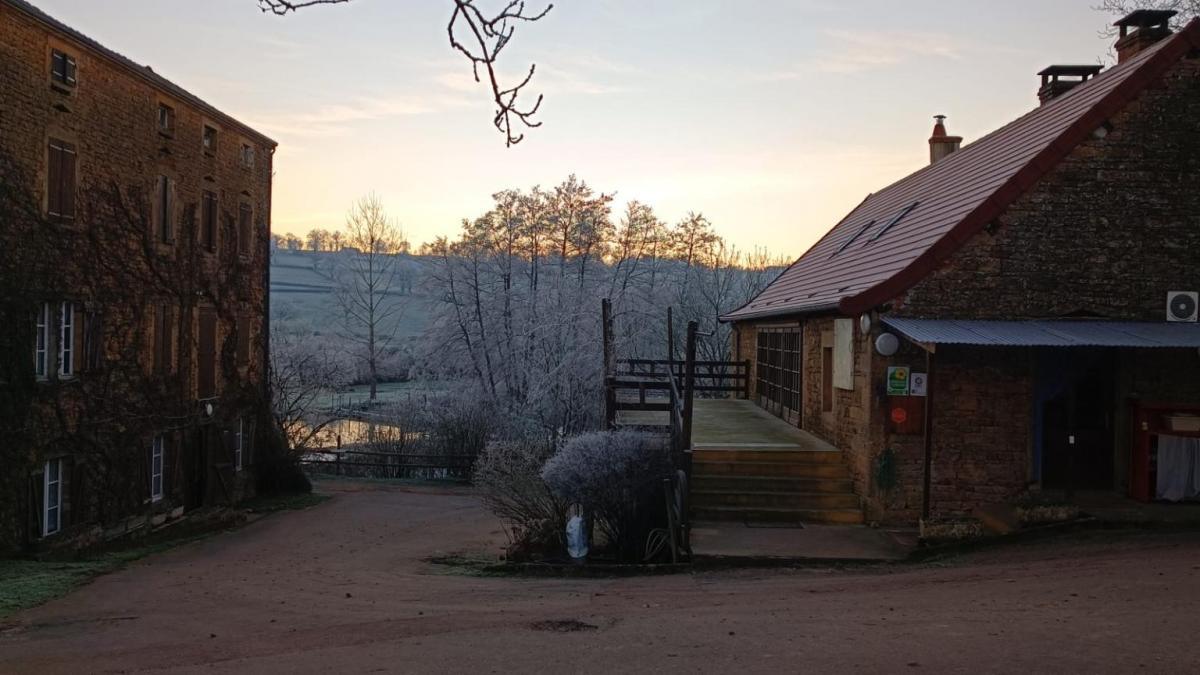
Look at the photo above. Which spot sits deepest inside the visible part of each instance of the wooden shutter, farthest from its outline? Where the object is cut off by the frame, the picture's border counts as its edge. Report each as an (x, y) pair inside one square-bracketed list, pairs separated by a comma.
[(827, 379), (162, 340), (243, 340), (245, 220), (67, 182), (54, 180), (208, 220), (207, 355)]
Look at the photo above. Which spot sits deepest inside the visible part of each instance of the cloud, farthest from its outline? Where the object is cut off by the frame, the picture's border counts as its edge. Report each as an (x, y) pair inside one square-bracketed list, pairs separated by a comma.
[(336, 119), (856, 51)]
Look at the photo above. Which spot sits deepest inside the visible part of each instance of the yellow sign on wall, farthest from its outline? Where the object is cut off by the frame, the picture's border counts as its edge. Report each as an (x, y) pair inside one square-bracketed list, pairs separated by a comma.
[(897, 381)]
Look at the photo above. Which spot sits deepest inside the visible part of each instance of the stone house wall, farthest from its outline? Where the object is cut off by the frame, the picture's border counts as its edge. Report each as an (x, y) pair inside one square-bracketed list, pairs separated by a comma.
[(110, 116)]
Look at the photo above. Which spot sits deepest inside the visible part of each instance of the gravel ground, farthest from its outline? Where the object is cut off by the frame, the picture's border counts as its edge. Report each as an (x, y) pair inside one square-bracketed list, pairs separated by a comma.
[(344, 587)]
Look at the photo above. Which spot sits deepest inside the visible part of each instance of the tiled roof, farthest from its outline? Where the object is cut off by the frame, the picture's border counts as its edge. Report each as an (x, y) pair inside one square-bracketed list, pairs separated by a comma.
[(871, 257), (144, 72)]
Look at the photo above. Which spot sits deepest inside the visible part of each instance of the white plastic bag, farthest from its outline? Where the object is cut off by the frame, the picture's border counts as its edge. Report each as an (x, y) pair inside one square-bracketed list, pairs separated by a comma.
[(577, 540)]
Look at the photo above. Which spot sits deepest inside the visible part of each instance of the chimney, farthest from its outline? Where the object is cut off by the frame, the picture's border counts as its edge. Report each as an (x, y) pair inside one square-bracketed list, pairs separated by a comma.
[(941, 145), (1151, 26), (1058, 80)]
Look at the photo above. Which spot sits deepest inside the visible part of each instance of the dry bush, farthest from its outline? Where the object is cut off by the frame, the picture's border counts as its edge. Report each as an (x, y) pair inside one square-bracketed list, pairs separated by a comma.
[(616, 476), (510, 475)]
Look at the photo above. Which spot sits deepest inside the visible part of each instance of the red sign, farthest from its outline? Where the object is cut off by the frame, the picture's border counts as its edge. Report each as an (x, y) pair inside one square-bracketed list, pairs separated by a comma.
[(899, 415)]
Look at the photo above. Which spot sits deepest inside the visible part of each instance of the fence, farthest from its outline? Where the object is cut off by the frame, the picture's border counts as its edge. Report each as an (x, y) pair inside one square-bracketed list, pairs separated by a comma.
[(364, 464)]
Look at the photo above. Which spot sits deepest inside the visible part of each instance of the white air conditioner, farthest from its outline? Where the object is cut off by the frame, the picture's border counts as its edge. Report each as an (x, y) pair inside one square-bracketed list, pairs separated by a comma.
[(1183, 305)]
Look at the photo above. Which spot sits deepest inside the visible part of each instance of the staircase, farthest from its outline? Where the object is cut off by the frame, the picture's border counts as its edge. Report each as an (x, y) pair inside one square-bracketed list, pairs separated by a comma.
[(773, 486)]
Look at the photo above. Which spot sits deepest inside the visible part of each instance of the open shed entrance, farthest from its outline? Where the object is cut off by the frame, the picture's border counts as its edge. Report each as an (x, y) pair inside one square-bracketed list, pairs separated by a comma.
[(1078, 418), (778, 369)]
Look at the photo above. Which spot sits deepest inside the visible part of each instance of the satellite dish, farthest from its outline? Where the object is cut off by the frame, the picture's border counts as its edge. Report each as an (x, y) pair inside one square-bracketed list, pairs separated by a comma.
[(887, 344)]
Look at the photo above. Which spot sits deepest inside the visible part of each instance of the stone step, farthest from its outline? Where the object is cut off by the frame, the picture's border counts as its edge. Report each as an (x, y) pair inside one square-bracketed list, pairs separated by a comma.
[(787, 500), (735, 454), (770, 483), (778, 515), (702, 468)]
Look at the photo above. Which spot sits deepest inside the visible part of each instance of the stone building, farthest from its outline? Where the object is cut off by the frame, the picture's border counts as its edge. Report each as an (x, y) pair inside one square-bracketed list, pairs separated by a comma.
[(134, 224), (1019, 316)]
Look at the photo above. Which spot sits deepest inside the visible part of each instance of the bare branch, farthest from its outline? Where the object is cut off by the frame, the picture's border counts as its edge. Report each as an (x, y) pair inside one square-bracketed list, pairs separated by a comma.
[(488, 37), (281, 7)]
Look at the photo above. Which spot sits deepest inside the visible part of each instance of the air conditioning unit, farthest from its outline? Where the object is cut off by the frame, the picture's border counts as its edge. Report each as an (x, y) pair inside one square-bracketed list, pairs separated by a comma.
[(1183, 305)]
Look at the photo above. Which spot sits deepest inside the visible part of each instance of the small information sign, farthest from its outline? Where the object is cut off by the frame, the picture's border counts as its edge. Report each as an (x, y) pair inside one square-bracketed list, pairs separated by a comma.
[(916, 384), (897, 381)]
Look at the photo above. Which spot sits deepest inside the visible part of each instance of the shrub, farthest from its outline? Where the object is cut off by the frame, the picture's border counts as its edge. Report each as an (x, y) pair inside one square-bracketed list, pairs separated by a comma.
[(616, 476), (509, 474)]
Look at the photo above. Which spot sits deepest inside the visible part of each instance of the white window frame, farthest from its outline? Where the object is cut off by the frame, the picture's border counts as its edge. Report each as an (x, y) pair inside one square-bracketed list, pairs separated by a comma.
[(157, 459), (66, 340), (49, 506), (237, 446), (41, 344)]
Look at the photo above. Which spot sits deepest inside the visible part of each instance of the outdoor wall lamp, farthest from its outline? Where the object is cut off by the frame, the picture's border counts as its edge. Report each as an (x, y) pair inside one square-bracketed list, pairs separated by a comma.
[(887, 344)]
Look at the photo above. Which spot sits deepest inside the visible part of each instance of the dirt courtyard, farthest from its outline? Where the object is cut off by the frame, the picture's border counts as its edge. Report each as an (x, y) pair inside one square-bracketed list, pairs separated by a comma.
[(344, 588)]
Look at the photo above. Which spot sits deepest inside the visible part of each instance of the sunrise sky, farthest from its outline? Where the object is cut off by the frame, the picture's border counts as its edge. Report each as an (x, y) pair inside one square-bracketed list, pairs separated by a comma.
[(771, 118)]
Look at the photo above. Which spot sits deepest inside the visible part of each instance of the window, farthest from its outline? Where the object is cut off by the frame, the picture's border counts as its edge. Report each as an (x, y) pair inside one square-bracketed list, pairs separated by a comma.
[(157, 449), (166, 120), (243, 340), (208, 140), (206, 353), (66, 340), (164, 209), (41, 347), (52, 497), (245, 228), (208, 221), (247, 156), (163, 340), (62, 68), (238, 440), (60, 178)]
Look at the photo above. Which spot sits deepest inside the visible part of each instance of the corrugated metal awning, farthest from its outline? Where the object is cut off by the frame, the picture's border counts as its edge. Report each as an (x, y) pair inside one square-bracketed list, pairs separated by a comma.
[(1059, 333)]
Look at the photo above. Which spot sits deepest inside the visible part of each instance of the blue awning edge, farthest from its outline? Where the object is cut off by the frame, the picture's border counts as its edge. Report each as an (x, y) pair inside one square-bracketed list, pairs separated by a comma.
[(1048, 333)]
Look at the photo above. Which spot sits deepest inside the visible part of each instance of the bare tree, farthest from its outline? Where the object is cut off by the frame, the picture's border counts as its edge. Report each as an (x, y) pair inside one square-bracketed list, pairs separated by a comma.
[(302, 372), (483, 37), (364, 281)]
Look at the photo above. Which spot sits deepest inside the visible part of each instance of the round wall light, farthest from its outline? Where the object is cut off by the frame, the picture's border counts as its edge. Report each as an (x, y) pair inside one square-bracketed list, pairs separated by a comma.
[(864, 323), (887, 344)]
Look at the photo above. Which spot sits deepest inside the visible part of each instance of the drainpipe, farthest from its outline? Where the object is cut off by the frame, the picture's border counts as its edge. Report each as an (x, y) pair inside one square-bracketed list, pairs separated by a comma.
[(930, 387)]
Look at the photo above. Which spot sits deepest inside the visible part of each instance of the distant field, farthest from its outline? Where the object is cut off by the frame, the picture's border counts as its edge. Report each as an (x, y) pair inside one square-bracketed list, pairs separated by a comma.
[(302, 284)]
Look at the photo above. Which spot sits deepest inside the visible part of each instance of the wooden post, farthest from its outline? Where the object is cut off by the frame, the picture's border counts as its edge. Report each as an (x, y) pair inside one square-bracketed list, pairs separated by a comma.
[(688, 393), (610, 394), (927, 485), (746, 379), (670, 341)]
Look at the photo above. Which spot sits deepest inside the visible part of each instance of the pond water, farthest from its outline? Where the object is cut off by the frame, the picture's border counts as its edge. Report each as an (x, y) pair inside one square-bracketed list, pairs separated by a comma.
[(355, 432)]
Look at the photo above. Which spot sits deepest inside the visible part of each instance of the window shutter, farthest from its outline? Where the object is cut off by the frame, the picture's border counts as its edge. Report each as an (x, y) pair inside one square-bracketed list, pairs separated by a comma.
[(243, 340), (79, 320), (67, 181), (168, 466), (169, 229), (54, 180), (159, 339), (70, 70), (206, 354), (37, 503)]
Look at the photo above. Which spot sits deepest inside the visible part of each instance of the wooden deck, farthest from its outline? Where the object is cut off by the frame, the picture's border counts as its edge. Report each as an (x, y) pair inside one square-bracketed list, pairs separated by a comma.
[(731, 424)]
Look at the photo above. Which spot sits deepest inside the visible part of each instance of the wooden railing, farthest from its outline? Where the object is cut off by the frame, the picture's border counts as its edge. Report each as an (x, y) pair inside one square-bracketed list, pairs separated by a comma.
[(669, 385)]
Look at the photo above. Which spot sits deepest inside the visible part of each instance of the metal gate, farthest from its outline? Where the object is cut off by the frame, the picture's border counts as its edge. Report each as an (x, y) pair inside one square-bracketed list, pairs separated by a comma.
[(779, 372)]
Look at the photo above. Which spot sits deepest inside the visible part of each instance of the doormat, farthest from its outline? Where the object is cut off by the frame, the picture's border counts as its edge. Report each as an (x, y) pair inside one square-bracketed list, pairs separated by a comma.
[(775, 525)]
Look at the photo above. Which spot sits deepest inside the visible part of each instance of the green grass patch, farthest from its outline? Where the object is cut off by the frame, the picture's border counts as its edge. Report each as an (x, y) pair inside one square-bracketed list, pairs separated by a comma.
[(28, 583)]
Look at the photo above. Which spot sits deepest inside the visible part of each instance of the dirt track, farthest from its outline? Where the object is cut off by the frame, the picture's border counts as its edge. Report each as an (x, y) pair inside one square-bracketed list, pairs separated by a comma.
[(342, 588)]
